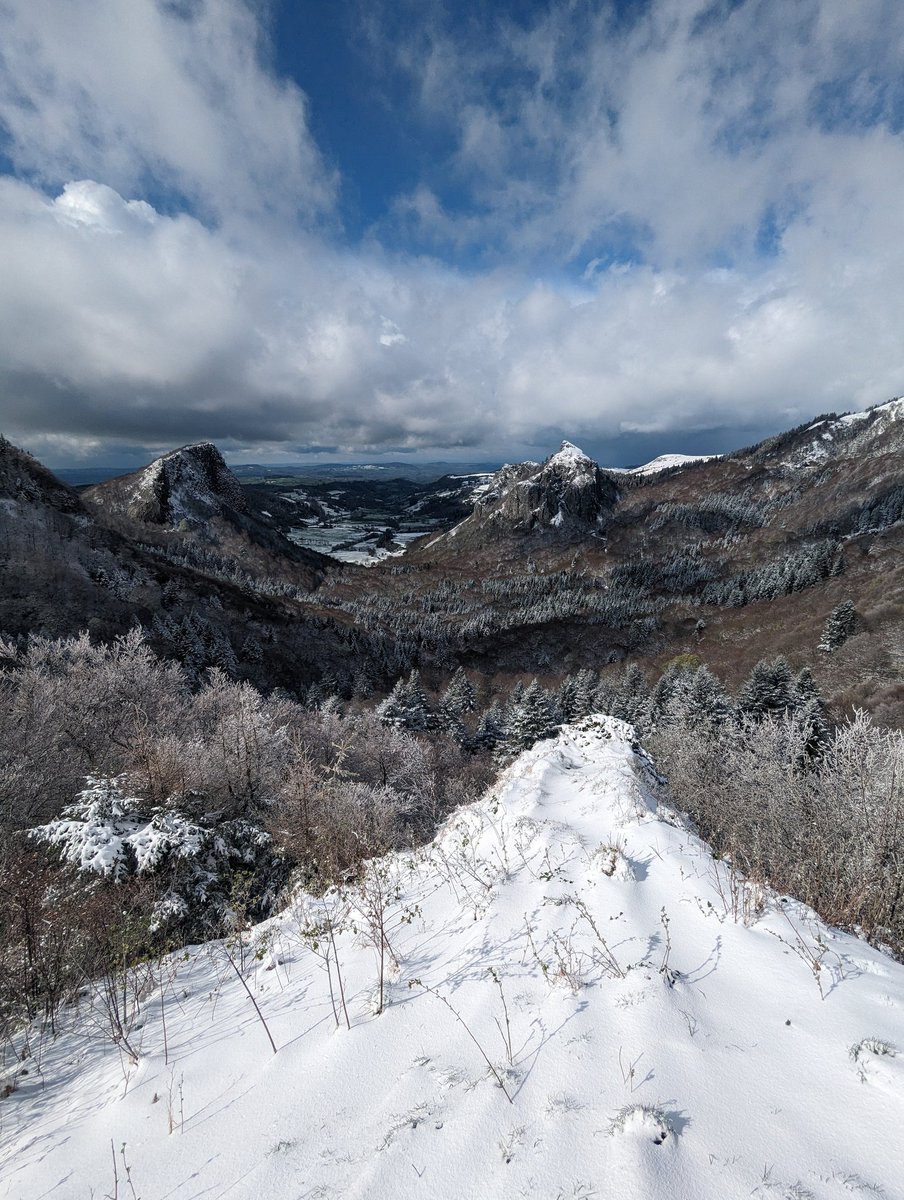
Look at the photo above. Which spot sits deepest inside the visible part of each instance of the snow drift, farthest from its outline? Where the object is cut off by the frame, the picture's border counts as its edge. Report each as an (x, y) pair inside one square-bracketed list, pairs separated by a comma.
[(577, 1001)]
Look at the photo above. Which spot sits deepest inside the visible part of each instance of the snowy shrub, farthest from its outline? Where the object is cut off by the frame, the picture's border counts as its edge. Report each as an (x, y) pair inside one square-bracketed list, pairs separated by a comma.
[(867, 1048), (113, 835), (646, 1120), (872, 1045)]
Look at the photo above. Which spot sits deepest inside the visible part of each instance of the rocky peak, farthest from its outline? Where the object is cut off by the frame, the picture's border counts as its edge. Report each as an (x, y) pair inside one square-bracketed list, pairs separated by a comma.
[(566, 495), (190, 484), (569, 456)]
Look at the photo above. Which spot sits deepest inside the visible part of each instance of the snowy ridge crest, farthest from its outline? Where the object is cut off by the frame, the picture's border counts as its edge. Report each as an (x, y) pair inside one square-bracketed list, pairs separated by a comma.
[(574, 998), (875, 430)]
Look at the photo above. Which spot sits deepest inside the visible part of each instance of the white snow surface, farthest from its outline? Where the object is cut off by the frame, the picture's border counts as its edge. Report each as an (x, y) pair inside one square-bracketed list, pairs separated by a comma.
[(569, 455), (670, 1035), (878, 418), (663, 462), (891, 410)]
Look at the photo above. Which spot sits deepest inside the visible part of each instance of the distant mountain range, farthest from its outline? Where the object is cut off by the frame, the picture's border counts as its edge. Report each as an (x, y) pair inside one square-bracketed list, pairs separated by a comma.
[(316, 472), (532, 568), (303, 472)]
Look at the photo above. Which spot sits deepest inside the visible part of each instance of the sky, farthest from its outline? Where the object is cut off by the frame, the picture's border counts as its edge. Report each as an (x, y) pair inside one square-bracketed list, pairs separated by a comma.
[(423, 230)]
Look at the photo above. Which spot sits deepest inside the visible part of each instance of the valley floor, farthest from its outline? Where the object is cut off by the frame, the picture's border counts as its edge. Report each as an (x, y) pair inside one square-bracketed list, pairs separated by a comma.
[(580, 1002)]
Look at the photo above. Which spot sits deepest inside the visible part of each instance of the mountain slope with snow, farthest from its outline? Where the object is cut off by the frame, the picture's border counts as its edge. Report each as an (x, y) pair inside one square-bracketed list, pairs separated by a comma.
[(666, 462), (578, 1002)]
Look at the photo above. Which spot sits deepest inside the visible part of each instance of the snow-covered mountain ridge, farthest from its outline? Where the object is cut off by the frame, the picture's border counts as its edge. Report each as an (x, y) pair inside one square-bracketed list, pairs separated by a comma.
[(665, 462), (854, 434), (578, 1002)]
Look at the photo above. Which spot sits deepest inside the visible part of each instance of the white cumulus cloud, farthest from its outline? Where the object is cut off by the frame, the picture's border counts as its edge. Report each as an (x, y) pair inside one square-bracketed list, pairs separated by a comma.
[(688, 222)]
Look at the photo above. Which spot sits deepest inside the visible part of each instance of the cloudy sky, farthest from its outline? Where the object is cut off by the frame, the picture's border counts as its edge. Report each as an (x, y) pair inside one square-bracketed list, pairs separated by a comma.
[(423, 230)]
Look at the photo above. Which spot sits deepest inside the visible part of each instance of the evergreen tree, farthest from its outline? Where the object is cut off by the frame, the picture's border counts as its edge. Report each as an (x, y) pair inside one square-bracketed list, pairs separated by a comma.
[(458, 698), (704, 699), (672, 683), (491, 728), (530, 720), (632, 699), (252, 652), (516, 695), (605, 698), (586, 686), (840, 624), (223, 656), (565, 699), (406, 705), (768, 688), (809, 708)]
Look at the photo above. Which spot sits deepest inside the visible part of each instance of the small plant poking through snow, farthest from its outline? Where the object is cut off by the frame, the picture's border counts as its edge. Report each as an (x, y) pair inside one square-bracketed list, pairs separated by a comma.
[(613, 861), (874, 1046), (646, 1119)]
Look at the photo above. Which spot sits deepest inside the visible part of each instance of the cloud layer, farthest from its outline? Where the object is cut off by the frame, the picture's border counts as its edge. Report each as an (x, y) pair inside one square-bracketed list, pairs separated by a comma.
[(689, 221)]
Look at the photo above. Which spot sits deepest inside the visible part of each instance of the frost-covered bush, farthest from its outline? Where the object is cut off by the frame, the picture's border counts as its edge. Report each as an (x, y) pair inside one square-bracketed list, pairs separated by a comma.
[(363, 787), (111, 834), (825, 826)]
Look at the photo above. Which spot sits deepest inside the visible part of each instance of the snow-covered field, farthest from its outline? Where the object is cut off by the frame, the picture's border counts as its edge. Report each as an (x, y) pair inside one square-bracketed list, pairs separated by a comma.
[(580, 1003)]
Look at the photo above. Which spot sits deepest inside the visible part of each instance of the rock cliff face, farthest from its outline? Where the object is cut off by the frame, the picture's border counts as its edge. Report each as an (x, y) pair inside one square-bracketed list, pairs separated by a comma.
[(566, 496), (189, 498), (189, 485)]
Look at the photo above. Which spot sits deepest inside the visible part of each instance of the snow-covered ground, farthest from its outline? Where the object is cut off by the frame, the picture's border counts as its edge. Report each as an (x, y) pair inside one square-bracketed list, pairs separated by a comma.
[(664, 462), (580, 1002)]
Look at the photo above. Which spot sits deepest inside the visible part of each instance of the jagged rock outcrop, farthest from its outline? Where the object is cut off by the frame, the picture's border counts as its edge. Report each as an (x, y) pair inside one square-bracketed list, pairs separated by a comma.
[(189, 485), (563, 498)]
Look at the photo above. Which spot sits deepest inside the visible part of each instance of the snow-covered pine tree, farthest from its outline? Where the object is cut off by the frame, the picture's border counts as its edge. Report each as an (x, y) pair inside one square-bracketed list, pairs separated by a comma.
[(565, 699), (490, 728), (671, 685), (516, 695), (809, 708), (458, 698), (406, 705), (768, 688), (530, 720), (586, 686), (605, 698), (705, 700), (839, 626), (196, 860), (632, 697)]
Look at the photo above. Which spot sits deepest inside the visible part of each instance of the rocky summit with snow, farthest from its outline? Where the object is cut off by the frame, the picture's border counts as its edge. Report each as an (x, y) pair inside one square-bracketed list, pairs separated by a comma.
[(563, 996), (189, 485), (566, 496)]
